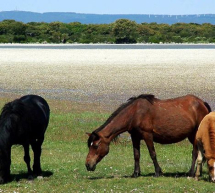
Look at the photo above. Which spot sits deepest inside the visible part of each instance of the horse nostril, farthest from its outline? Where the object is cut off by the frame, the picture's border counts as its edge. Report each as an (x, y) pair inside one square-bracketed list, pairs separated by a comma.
[(88, 166)]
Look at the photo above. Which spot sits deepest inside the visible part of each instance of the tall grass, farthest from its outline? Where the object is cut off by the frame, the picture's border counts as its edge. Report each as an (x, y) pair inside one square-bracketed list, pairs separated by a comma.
[(65, 150)]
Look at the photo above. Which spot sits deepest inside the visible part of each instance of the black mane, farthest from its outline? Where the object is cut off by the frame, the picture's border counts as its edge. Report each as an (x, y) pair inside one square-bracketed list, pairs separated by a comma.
[(11, 109), (148, 97)]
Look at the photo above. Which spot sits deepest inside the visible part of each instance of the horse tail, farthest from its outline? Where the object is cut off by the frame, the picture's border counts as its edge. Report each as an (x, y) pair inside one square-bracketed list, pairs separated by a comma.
[(208, 107)]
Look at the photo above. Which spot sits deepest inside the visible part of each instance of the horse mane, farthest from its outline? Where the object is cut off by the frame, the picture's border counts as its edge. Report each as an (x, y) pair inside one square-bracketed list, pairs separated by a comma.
[(14, 108), (207, 106), (148, 97)]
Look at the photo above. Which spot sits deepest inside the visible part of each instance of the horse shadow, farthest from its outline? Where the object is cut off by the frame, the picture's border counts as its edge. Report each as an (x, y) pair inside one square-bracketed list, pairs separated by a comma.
[(204, 176), (169, 175), (25, 176)]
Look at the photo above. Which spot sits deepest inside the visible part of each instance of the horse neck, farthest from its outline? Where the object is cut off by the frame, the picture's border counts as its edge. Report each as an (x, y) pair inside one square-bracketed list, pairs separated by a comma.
[(119, 124)]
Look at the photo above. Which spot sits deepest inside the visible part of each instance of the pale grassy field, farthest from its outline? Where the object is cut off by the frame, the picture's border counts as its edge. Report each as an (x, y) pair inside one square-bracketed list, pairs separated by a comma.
[(107, 76)]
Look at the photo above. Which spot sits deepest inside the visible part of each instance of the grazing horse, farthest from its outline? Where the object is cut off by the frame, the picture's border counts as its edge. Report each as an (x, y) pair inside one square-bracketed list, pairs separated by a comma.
[(23, 121), (205, 141), (150, 119)]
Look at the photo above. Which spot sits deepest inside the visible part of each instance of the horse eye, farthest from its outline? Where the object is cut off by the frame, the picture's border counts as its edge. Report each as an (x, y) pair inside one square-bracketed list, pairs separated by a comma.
[(94, 145)]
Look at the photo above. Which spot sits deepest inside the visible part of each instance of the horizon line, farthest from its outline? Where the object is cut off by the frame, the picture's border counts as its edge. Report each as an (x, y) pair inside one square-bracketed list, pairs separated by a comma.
[(110, 13)]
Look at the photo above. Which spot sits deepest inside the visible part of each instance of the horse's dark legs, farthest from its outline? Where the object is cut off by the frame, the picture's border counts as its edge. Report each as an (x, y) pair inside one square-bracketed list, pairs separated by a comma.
[(194, 156), (36, 147), (136, 149), (27, 158), (150, 145)]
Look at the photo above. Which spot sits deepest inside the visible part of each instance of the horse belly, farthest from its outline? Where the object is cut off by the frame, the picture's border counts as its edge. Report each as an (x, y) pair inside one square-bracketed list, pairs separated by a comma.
[(173, 125), (173, 133), (168, 139)]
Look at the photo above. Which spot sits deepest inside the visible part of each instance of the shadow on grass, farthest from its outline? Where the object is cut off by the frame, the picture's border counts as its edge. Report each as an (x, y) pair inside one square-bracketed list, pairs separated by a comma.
[(101, 177), (204, 177), (20, 176), (170, 175)]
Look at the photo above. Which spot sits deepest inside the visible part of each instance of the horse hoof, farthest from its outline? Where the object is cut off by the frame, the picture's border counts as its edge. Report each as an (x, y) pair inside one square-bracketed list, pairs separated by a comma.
[(39, 177), (158, 174), (197, 179), (191, 174), (30, 177), (135, 175)]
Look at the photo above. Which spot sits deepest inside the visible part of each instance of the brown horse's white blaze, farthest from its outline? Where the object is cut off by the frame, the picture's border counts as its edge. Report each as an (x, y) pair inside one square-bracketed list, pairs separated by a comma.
[(152, 120), (205, 141)]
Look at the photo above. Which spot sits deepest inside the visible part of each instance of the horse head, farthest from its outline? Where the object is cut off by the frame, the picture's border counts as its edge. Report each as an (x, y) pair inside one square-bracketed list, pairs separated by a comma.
[(211, 168), (98, 148)]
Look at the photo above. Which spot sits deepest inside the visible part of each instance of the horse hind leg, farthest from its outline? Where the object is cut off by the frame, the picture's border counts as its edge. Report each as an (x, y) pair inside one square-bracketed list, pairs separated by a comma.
[(194, 156), (36, 147), (27, 159)]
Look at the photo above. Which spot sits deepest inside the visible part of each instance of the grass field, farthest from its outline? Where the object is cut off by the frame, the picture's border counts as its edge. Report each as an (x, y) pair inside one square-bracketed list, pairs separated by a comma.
[(64, 154), (82, 94)]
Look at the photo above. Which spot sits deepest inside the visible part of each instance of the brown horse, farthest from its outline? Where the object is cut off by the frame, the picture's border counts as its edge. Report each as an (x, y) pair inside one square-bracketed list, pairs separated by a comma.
[(205, 140), (150, 119)]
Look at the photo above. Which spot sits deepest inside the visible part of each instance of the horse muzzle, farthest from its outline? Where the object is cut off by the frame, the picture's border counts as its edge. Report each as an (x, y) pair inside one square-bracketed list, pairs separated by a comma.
[(212, 179), (90, 167)]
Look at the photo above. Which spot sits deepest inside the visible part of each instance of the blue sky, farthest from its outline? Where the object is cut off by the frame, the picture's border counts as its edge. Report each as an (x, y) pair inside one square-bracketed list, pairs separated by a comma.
[(172, 7)]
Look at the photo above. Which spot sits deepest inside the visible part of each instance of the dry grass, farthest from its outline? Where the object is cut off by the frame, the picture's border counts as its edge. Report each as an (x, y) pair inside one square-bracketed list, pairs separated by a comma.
[(107, 76)]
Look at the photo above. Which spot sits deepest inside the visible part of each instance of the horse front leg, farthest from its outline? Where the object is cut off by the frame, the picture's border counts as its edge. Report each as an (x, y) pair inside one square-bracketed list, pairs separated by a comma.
[(148, 137), (199, 165), (136, 150), (194, 156)]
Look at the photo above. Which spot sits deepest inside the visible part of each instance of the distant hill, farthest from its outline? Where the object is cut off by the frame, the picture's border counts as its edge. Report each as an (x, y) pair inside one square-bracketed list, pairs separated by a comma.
[(67, 17)]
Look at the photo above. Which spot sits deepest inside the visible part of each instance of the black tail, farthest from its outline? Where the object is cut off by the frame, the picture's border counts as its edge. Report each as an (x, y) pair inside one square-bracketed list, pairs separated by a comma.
[(208, 106)]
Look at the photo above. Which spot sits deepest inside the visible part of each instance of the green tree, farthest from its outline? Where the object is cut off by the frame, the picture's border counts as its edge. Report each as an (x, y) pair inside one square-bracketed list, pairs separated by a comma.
[(125, 31), (144, 32)]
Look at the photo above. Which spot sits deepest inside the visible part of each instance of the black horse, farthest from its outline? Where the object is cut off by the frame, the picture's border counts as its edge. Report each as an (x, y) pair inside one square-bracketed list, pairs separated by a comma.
[(23, 121)]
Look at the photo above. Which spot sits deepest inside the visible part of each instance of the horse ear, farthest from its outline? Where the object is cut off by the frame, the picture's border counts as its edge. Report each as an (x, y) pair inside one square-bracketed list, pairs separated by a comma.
[(89, 134)]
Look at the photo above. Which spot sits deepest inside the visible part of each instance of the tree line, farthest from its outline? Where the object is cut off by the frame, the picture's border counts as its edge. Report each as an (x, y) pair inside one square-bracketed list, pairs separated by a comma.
[(121, 31)]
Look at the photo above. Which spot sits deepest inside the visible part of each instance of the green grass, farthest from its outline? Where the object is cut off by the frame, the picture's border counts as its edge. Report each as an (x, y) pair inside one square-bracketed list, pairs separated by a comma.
[(64, 154)]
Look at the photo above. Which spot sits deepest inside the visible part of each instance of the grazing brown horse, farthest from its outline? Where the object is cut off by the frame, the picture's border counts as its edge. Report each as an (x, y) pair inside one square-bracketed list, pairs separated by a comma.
[(150, 119), (205, 140)]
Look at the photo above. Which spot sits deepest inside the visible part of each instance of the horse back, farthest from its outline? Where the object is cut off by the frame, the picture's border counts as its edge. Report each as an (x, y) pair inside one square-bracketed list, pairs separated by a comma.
[(38, 109), (172, 120), (190, 106), (35, 118), (200, 108)]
